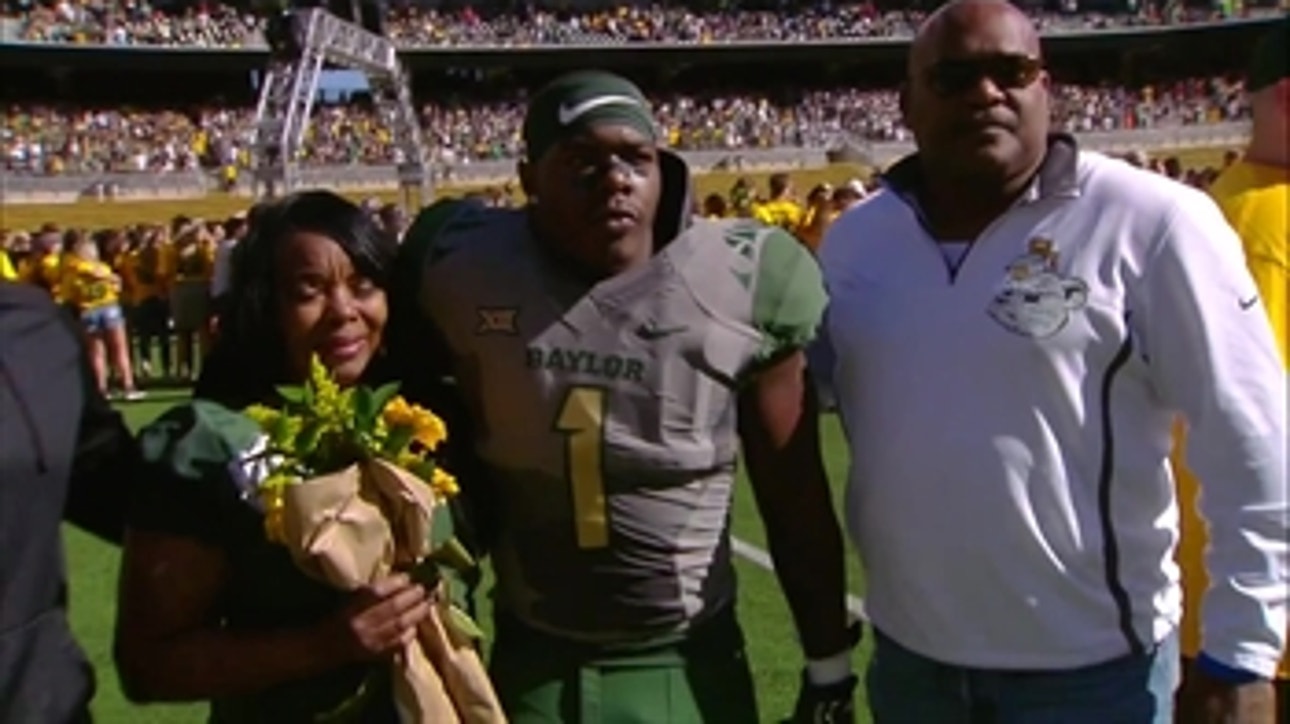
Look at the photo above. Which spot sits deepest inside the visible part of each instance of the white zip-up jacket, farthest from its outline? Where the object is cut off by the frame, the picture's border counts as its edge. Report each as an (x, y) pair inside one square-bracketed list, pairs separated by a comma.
[(1009, 421)]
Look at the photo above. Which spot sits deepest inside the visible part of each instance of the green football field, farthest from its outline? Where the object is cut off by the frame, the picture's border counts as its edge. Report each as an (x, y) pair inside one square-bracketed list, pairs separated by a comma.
[(776, 658)]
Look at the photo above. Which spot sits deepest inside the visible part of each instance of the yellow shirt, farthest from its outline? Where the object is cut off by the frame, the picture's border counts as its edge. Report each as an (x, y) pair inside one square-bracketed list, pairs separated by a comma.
[(814, 224), (1254, 199), (45, 272), (148, 273), (784, 213), (92, 284), (6, 267), (195, 262), (122, 267)]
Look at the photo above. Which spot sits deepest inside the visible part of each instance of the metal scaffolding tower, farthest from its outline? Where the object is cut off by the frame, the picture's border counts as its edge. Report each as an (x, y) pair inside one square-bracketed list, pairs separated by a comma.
[(301, 41)]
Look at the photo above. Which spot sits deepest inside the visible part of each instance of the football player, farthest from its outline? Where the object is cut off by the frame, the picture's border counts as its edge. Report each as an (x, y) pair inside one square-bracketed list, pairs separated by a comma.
[(612, 352)]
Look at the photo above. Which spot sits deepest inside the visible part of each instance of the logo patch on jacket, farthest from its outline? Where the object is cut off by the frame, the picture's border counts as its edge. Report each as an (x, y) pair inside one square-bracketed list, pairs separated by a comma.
[(1035, 300)]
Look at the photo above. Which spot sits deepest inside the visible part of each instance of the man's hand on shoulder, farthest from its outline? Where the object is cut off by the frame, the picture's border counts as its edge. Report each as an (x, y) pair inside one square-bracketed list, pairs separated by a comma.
[(1209, 699)]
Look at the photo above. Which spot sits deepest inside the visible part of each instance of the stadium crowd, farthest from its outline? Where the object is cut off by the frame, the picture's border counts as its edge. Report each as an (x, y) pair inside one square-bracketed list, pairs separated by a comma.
[(207, 23), (167, 279), (69, 140)]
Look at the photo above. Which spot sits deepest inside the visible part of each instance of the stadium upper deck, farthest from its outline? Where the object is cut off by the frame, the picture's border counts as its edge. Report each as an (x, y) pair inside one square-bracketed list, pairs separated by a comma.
[(83, 107), (213, 24)]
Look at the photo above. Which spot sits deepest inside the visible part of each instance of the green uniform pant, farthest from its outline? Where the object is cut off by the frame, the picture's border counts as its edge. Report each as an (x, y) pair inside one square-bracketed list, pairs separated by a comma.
[(701, 679)]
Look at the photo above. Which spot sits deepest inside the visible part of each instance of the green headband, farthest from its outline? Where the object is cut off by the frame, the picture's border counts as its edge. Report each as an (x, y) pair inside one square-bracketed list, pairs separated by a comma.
[(574, 102)]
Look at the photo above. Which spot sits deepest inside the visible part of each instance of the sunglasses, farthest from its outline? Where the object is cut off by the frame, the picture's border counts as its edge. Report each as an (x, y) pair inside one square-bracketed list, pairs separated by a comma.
[(1006, 72)]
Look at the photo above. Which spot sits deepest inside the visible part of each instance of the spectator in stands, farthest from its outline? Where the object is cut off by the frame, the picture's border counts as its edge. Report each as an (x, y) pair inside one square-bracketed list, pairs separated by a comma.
[(67, 457), (70, 140), (544, 23), (1254, 194), (1007, 393)]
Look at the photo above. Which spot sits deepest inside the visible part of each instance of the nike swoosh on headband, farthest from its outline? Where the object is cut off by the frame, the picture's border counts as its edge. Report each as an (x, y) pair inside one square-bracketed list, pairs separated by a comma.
[(568, 114)]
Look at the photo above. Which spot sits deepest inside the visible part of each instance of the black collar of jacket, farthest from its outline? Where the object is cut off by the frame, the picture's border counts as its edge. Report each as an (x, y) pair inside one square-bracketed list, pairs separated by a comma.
[(1057, 175)]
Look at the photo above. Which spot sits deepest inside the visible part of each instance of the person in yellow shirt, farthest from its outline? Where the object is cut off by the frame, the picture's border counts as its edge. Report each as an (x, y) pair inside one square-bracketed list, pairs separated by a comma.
[(7, 270), (781, 209), (820, 212), (147, 264), (44, 266), (1254, 194), (94, 291)]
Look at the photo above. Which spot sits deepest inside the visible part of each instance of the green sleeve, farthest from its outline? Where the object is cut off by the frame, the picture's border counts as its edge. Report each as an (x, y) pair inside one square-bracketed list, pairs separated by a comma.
[(189, 483), (789, 297)]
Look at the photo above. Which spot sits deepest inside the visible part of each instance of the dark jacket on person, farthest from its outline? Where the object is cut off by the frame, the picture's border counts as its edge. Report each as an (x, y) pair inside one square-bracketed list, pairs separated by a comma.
[(64, 455)]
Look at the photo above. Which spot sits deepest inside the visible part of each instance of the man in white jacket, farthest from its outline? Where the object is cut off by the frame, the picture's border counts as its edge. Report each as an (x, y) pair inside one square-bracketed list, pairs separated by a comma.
[(1014, 325)]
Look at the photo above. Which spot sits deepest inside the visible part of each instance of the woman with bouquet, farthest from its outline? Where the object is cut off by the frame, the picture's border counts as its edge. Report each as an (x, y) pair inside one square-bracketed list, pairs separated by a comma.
[(211, 608)]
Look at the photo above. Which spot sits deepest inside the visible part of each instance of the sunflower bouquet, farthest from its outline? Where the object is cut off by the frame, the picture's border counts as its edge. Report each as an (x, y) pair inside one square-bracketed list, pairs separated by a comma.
[(352, 488)]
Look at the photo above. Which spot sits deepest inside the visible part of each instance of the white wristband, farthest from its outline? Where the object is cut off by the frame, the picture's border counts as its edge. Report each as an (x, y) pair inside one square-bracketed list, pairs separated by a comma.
[(829, 670)]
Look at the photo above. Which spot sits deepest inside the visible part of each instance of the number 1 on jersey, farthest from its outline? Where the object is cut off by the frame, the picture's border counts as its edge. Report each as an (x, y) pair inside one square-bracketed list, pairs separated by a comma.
[(582, 420)]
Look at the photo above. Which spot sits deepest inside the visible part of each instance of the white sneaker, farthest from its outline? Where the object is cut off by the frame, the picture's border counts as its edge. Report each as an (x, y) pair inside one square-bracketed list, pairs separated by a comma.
[(133, 395)]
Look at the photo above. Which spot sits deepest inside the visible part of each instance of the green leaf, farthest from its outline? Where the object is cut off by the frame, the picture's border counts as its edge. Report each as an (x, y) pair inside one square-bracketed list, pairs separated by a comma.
[(365, 410), (383, 394), (307, 440), (397, 439), (461, 627), (442, 526), (454, 555), (292, 394), (279, 430), (423, 470)]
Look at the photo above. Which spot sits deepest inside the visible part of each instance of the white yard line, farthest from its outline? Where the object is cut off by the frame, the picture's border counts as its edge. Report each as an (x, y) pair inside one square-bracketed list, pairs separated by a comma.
[(756, 555)]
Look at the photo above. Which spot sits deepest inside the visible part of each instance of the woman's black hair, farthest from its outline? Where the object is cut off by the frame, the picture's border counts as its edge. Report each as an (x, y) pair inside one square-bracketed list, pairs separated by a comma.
[(248, 358)]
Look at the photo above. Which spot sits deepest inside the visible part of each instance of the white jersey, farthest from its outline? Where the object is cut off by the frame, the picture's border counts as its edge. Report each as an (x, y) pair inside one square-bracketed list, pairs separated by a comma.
[(1009, 421)]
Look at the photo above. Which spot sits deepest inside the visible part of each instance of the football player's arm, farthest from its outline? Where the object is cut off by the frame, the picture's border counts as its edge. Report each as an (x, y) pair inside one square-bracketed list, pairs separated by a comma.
[(779, 429), (1211, 355)]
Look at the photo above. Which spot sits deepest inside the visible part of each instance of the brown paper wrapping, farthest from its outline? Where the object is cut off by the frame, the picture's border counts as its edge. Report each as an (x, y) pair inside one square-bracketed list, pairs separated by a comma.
[(353, 527)]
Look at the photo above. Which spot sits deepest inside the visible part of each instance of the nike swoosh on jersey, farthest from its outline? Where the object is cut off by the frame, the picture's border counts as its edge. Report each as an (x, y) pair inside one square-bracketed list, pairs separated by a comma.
[(1247, 303), (568, 114)]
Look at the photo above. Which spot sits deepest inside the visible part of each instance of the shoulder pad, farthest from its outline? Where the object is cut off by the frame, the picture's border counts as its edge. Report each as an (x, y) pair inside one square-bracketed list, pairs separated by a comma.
[(430, 235)]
